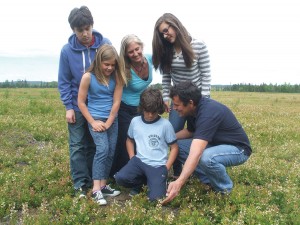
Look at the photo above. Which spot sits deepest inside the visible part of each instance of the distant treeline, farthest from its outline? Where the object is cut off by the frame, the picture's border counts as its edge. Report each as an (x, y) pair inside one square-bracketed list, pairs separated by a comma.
[(28, 84), (283, 88), (279, 88)]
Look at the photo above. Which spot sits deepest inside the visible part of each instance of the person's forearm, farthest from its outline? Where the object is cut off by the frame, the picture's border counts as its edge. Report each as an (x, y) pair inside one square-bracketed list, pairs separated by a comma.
[(85, 112), (196, 150), (184, 134), (116, 105), (172, 156), (112, 115), (166, 83), (130, 148)]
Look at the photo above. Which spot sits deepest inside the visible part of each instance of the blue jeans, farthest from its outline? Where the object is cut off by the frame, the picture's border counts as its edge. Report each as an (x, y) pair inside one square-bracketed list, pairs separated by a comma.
[(105, 150), (125, 115), (176, 121), (82, 150), (136, 173), (211, 168), (178, 124)]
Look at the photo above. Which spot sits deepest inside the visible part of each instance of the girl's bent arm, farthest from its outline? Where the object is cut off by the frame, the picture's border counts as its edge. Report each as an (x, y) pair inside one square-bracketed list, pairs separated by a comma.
[(116, 105), (82, 95)]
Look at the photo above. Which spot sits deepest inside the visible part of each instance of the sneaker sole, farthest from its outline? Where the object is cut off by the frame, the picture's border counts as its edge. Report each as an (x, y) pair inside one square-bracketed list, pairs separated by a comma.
[(101, 203), (133, 194), (81, 196), (111, 195)]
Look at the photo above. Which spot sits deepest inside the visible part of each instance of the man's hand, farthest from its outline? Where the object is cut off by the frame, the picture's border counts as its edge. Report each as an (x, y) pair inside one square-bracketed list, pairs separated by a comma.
[(173, 190)]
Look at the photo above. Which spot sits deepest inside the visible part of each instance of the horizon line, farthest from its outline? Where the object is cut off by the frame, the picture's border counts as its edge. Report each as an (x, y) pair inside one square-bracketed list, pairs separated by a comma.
[(241, 83)]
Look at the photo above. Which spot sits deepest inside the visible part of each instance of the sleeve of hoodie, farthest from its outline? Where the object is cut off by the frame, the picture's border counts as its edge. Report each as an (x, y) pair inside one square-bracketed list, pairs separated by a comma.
[(64, 80)]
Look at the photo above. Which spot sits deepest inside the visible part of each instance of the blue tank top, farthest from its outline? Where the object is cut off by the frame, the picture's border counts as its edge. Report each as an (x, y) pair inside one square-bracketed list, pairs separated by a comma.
[(100, 97), (136, 85)]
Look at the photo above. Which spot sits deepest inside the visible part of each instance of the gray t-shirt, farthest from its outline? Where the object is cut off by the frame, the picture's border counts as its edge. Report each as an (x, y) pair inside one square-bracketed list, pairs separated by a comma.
[(152, 139)]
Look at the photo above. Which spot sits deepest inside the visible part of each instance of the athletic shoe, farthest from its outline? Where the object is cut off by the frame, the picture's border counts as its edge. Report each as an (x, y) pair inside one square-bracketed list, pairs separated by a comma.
[(108, 191), (81, 192), (135, 191), (98, 198)]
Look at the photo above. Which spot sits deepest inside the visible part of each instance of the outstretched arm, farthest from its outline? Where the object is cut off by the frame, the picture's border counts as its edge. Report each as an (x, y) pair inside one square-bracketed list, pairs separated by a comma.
[(197, 147)]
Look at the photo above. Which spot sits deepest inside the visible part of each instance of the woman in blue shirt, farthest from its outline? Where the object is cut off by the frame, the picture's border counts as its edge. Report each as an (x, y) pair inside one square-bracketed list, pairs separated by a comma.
[(138, 69)]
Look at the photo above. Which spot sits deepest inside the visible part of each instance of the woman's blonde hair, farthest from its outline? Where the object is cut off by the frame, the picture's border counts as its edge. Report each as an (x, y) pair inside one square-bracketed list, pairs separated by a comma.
[(104, 53), (124, 59)]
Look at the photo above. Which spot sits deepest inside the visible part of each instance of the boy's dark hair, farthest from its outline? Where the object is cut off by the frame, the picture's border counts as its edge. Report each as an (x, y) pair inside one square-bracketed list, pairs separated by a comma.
[(80, 17), (151, 101), (186, 91)]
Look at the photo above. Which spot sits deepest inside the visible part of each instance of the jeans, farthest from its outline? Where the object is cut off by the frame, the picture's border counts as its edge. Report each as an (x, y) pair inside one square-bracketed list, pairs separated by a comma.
[(176, 121), (178, 124), (211, 168), (105, 150), (136, 173), (82, 150), (125, 115)]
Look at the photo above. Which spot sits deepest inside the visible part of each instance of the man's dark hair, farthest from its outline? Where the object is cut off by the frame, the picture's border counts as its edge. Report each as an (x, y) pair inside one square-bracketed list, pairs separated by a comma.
[(151, 101), (186, 91), (80, 17)]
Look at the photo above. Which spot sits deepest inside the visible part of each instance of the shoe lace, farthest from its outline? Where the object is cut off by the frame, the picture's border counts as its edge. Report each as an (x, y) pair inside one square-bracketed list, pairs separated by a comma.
[(99, 195), (109, 188)]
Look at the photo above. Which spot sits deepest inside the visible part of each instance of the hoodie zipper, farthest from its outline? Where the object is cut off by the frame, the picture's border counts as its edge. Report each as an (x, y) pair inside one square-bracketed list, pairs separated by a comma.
[(83, 58)]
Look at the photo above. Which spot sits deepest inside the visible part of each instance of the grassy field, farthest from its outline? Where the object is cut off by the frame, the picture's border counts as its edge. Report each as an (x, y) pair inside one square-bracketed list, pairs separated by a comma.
[(36, 187)]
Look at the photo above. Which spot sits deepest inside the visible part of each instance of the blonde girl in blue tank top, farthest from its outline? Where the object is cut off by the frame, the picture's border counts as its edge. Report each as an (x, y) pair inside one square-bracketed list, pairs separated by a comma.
[(99, 100)]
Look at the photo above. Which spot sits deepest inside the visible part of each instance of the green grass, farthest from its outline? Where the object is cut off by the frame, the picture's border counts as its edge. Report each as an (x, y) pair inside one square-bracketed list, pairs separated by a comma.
[(36, 187)]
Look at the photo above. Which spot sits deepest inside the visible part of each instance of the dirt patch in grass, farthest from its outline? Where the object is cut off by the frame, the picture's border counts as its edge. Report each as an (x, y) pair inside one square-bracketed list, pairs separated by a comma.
[(15, 138)]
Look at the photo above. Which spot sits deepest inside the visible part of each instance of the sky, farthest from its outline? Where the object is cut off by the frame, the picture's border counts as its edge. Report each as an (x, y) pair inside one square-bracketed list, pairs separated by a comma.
[(249, 41)]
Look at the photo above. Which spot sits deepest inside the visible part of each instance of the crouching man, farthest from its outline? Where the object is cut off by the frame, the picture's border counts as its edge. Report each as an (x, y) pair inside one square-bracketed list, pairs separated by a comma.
[(212, 141)]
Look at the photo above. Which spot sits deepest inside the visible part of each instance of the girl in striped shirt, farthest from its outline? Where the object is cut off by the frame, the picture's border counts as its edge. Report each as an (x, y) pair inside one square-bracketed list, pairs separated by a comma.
[(179, 57)]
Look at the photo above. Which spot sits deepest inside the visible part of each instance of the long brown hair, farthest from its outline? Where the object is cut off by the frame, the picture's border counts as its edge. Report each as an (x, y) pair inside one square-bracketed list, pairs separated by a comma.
[(162, 50)]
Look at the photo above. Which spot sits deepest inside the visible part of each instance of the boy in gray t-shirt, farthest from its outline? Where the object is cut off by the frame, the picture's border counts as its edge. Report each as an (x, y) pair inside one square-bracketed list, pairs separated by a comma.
[(152, 135)]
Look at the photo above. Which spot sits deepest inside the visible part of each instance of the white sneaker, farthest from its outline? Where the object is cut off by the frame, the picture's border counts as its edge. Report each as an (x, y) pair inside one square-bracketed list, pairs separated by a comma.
[(98, 198)]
